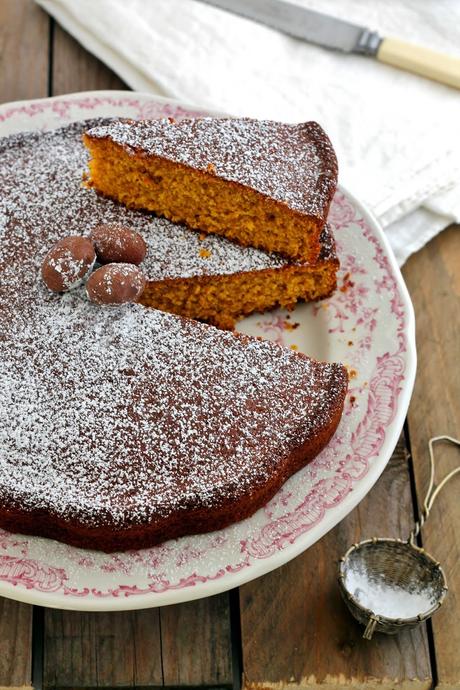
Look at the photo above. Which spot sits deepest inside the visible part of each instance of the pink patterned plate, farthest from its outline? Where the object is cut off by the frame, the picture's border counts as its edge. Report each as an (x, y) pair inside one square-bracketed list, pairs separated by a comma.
[(367, 324)]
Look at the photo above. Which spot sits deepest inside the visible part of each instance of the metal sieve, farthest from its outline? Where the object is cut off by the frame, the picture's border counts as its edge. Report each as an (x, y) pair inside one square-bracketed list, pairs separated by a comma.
[(390, 584)]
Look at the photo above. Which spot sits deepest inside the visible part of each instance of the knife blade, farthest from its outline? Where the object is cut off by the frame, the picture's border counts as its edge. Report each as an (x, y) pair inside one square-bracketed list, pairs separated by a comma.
[(305, 24), (338, 34)]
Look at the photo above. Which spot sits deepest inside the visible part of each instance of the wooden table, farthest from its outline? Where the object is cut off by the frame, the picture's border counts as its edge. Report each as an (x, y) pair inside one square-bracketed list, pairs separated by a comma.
[(289, 627)]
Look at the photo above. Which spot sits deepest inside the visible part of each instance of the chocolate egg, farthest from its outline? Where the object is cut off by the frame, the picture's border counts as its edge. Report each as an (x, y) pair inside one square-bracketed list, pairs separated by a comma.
[(118, 244), (68, 263), (115, 284)]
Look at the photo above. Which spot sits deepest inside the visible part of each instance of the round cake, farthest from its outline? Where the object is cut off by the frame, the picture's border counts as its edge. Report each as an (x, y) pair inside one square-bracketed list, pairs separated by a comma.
[(124, 426)]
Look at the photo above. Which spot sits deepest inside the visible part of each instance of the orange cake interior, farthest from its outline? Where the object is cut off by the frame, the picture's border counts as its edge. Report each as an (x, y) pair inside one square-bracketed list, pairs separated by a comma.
[(223, 298), (262, 184)]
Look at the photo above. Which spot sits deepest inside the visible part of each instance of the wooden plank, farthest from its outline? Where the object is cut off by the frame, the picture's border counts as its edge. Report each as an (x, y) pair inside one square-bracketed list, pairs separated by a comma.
[(102, 650), (296, 630), (433, 278), (24, 47), (196, 643), (74, 69), (15, 645), (124, 649)]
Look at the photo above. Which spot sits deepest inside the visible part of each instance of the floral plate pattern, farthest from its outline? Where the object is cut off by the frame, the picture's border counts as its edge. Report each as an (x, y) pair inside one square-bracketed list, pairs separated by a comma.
[(368, 324)]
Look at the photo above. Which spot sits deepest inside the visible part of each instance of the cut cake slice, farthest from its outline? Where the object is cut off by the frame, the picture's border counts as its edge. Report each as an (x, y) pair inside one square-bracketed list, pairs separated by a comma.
[(261, 183), (219, 282)]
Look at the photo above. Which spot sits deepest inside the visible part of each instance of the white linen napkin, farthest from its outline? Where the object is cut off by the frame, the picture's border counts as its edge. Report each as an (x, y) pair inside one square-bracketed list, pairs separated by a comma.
[(397, 135)]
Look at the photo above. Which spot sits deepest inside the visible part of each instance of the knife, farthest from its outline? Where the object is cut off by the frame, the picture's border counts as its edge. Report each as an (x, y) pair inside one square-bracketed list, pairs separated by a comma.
[(338, 34)]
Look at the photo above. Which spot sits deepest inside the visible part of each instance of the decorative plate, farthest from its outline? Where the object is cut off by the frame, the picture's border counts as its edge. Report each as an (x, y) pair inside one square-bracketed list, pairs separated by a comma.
[(368, 324)]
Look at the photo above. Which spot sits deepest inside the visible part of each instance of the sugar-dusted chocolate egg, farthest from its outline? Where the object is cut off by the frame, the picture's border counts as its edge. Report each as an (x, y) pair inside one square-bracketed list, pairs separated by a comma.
[(115, 284), (118, 244), (68, 263)]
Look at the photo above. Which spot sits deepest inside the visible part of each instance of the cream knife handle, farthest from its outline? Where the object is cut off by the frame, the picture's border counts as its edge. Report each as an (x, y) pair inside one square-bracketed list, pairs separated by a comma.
[(428, 63)]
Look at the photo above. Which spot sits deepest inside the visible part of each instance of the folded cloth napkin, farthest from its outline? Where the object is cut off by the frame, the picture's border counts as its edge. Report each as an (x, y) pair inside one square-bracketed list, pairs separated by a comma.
[(397, 135)]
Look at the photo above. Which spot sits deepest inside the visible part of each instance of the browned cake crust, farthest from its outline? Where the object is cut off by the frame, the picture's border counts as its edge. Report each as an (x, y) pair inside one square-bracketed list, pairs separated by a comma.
[(195, 521), (261, 183), (126, 426), (111, 536), (185, 429)]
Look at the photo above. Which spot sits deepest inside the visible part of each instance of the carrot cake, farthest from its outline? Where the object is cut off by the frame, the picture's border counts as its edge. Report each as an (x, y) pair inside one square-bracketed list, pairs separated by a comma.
[(261, 183), (126, 426), (219, 282)]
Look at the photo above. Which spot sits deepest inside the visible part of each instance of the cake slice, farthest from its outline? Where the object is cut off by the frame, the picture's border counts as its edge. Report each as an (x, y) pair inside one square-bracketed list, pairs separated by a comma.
[(261, 183), (219, 282)]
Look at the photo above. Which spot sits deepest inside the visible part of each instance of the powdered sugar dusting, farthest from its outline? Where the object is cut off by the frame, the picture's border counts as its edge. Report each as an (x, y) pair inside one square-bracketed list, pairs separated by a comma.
[(125, 415), (116, 283), (294, 164), (73, 271), (47, 172)]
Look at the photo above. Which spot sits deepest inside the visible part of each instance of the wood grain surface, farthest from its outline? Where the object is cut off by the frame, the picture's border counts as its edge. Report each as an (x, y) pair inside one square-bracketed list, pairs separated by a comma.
[(24, 49), (74, 69), (102, 650), (187, 644), (289, 628), (15, 644), (433, 279), (196, 642), (295, 628)]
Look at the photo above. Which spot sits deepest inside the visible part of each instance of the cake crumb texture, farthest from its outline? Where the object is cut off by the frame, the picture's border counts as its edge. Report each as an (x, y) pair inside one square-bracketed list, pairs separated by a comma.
[(261, 183)]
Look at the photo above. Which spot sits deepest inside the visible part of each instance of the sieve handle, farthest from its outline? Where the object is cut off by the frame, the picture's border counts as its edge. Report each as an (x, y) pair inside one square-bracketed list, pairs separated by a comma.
[(433, 492), (370, 627)]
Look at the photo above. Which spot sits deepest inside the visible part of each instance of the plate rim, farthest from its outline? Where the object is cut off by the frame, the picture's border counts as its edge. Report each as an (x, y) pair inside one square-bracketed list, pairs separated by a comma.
[(258, 567)]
